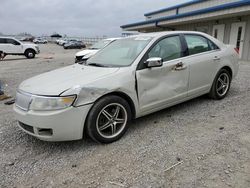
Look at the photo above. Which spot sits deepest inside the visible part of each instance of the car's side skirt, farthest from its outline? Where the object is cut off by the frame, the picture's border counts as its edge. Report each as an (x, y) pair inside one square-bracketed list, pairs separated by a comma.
[(171, 104)]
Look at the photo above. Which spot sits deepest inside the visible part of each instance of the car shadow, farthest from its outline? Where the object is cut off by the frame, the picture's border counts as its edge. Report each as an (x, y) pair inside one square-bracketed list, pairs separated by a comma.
[(15, 59)]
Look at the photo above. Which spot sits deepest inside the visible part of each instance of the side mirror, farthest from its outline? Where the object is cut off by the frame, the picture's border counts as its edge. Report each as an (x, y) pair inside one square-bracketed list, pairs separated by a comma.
[(154, 62)]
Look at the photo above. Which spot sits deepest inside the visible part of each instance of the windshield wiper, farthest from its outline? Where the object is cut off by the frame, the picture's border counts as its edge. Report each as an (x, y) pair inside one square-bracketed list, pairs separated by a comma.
[(96, 64)]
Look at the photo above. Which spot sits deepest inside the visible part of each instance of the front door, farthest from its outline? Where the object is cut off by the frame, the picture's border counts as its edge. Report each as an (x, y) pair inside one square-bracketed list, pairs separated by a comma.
[(237, 35), (12, 46), (218, 32), (160, 86)]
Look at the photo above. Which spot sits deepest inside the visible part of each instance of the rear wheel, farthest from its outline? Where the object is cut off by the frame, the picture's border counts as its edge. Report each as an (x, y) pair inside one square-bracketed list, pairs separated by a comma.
[(221, 85), (2, 55), (107, 120), (30, 54)]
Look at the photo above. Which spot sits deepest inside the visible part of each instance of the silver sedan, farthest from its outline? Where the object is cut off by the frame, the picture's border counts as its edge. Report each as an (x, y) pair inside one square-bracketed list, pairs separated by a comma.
[(130, 78)]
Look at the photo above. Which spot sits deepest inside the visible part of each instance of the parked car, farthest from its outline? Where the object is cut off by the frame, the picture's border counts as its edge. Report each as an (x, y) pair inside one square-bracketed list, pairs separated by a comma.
[(87, 53), (12, 46), (58, 41), (61, 42), (130, 78), (74, 45), (40, 41)]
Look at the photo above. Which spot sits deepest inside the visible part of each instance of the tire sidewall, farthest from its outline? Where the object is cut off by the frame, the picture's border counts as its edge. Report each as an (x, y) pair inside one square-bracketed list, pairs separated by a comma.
[(94, 112), (213, 91)]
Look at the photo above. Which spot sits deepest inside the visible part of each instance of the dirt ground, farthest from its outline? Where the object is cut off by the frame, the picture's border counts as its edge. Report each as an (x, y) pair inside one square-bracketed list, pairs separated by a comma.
[(208, 140)]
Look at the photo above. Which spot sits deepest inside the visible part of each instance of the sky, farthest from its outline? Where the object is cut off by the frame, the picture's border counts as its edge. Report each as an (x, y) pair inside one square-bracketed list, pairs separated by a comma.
[(85, 18)]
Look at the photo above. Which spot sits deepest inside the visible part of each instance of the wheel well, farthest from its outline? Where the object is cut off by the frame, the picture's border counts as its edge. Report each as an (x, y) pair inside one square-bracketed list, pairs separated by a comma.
[(127, 98), (229, 70)]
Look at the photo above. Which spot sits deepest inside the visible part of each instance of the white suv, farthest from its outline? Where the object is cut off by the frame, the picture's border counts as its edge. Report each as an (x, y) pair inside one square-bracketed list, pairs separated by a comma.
[(12, 46)]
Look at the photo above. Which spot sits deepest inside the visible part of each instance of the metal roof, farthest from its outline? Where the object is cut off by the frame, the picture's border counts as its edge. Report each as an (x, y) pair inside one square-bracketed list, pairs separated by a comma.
[(174, 7), (192, 13), (162, 33)]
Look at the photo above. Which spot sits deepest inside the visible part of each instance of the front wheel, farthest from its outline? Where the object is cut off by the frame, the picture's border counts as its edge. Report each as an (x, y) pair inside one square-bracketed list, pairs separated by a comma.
[(108, 119), (30, 54), (221, 85)]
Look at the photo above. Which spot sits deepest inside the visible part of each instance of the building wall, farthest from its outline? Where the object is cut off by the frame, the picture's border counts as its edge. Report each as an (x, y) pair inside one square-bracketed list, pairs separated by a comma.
[(190, 8), (246, 49), (205, 4)]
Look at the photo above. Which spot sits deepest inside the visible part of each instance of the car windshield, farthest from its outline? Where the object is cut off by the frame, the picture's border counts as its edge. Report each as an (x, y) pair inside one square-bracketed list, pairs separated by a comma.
[(101, 44), (120, 53)]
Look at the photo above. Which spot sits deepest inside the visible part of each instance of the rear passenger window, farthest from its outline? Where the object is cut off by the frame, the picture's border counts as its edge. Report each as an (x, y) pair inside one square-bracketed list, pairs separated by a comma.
[(168, 49), (198, 44)]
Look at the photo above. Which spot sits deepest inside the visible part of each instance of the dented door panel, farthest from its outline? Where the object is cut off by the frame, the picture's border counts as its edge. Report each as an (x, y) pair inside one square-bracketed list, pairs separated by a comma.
[(162, 85)]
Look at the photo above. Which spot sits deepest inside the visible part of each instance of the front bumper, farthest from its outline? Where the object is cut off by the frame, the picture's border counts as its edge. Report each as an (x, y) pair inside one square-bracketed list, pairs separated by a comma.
[(60, 125)]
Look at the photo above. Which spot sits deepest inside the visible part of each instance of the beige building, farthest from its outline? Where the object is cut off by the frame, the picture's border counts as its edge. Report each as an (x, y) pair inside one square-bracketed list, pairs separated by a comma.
[(226, 20)]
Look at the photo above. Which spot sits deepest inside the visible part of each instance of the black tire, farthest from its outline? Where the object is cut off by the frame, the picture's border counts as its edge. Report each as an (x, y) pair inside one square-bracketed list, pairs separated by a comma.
[(2, 55), (30, 54), (97, 116), (215, 92)]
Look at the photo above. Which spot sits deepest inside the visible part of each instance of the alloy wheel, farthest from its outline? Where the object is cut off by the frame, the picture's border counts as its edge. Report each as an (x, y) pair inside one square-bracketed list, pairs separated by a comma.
[(111, 120), (222, 84)]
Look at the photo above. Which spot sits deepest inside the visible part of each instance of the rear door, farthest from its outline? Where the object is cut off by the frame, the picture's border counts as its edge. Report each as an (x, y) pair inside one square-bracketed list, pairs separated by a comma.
[(204, 57), (160, 86)]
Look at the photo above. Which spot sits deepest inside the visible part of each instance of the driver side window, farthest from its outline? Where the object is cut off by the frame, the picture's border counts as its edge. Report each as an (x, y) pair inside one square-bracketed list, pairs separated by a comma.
[(167, 49)]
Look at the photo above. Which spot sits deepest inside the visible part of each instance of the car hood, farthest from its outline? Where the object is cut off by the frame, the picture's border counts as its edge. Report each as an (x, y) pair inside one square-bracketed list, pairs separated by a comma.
[(86, 52), (55, 82)]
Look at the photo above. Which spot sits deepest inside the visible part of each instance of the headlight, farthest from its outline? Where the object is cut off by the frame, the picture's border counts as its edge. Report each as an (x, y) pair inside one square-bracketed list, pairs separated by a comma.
[(51, 103)]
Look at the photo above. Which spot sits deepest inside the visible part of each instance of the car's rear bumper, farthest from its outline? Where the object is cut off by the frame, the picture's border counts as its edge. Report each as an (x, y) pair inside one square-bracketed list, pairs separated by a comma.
[(60, 125)]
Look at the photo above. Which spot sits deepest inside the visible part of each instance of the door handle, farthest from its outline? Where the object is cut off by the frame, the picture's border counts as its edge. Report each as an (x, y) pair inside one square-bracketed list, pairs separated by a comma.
[(179, 66), (216, 58)]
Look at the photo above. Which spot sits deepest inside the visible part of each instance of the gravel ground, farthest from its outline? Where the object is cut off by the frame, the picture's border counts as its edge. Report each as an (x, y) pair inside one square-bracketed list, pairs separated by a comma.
[(210, 139)]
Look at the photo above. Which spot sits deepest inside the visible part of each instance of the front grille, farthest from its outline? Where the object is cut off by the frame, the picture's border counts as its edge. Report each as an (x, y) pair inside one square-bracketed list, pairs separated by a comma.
[(23, 100), (26, 127)]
